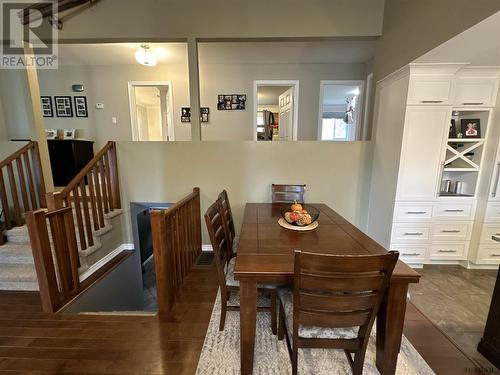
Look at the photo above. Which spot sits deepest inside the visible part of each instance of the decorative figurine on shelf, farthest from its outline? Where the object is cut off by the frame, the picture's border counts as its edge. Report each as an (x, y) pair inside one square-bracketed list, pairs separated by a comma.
[(460, 135), (453, 130)]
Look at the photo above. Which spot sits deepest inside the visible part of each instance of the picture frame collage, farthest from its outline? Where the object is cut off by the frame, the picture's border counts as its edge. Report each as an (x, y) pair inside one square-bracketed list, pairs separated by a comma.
[(63, 106)]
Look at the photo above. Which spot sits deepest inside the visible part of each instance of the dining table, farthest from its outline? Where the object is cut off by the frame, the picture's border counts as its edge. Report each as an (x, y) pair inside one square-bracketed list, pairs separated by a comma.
[(266, 255)]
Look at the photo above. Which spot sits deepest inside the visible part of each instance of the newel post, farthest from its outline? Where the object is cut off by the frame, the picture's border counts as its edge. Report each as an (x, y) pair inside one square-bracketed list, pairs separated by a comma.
[(54, 201)]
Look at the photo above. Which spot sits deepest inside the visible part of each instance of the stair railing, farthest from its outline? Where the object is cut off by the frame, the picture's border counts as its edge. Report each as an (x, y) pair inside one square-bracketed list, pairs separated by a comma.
[(93, 193), (176, 234), (25, 190)]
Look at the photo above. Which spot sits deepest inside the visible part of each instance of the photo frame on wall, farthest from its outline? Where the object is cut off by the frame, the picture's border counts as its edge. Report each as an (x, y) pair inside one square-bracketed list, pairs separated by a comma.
[(233, 102), (81, 106), (471, 128), (63, 106), (204, 112), (47, 109), (185, 114)]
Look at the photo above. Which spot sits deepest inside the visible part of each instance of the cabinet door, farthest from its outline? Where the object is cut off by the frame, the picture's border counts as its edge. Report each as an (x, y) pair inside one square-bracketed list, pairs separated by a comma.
[(430, 90), (422, 152), (476, 92)]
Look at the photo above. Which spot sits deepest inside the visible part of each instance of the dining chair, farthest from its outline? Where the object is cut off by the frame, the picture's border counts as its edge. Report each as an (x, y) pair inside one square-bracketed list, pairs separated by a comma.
[(227, 216), (288, 193), (225, 268), (334, 302)]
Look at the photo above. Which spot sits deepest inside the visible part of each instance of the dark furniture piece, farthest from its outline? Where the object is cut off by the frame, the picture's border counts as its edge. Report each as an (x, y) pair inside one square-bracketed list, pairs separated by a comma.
[(68, 157), (224, 262), (266, 254), (489, 346), (288, 193), (228, 217), (334, 292)]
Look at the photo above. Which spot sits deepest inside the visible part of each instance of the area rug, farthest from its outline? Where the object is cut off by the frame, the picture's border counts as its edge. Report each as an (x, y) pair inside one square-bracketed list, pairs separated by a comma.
[(221, 352)]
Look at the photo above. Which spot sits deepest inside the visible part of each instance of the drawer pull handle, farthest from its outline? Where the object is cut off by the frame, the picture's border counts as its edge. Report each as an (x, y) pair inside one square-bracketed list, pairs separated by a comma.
[(413, 233), (447, 251), (495, 255), (450, 231), (416, 212), (410, 254), (472, 103), (453, 210), (432, 101)]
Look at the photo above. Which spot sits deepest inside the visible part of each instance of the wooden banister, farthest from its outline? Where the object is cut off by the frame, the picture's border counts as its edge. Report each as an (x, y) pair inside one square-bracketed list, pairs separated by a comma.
[(176, 234), (93, 193), (22, 188)]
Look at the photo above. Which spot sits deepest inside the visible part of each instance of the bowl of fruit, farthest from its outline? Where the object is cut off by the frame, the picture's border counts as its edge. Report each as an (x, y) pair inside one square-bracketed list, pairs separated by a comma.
[(300, 215)]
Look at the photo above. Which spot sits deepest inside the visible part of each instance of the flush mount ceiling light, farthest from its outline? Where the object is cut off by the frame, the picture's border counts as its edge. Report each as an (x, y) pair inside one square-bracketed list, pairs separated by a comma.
[(145, 56)]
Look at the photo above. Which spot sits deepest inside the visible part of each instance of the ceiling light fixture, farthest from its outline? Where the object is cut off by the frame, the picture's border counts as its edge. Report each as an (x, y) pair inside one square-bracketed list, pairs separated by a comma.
[(145, 56)]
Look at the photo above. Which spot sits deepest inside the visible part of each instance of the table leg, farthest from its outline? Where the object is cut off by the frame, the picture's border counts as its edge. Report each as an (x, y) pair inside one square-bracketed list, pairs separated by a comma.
[(390, 320), (248, 316)]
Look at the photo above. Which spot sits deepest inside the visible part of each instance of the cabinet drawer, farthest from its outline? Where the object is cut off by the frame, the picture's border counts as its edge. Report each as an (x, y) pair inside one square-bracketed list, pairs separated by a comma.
[(410, 253), (493, 212), (476, 92), (451, 231), (430, 91), (488, 254), (455, 211), (411, 212), (449, 250), (489, 230), (402, 233)]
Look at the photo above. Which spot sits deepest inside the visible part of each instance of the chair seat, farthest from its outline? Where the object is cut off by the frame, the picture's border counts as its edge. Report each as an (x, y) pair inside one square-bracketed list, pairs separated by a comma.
[(231, 281), (286, 297)]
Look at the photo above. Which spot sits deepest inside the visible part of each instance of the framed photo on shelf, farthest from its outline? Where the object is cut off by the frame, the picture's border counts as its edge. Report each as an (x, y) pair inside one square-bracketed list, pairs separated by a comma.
[(69, 133), (81, 106), (185, 114), (471, 128), (63, 106), (47, 109), (51, 133)]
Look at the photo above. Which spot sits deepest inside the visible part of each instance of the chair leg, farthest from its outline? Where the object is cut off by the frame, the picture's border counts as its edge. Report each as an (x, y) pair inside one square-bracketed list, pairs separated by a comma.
[(273, 312), (295, 355), (281, 326), (223, 312), (359, 360)]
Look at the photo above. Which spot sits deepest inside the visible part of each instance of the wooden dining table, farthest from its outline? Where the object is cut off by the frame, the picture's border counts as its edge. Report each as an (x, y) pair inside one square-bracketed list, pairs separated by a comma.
[(266, 252)]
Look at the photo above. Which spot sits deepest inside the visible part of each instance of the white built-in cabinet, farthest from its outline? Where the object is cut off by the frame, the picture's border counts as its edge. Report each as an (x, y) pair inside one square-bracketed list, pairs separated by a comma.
[(428, 224)]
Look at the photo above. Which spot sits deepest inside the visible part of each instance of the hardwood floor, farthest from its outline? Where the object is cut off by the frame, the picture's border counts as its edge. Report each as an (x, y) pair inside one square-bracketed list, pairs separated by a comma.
[(33, 342)]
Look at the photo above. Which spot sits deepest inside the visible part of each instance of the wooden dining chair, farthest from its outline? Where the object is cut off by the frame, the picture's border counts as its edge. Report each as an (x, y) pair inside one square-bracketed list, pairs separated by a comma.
[(332, 297), (225, 267), (227, 215), (288, 193)]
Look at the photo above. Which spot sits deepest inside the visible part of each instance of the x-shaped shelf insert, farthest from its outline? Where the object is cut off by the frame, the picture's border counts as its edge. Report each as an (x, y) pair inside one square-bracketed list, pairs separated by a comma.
[(461, 154)]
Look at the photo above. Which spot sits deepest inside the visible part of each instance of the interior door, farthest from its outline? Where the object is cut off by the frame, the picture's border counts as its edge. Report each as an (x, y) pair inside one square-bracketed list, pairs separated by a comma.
[(286, 103)]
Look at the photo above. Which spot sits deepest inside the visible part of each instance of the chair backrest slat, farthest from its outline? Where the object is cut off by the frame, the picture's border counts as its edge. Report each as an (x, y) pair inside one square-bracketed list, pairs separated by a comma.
[(334, 320), (228, 216), (288, 193)]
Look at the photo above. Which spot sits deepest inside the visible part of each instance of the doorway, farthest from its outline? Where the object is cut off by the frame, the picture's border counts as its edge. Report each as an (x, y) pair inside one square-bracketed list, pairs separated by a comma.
[(340, 110), (276, 110), (151, 111)]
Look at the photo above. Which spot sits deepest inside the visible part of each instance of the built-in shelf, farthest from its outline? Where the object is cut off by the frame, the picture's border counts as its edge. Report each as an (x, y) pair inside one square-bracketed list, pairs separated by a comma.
[(461, 169), (465, 140), (450, 194)]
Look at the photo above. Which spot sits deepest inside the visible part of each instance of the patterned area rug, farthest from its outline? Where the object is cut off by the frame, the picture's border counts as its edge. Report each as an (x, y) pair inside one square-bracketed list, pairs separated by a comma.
[(221, 352)]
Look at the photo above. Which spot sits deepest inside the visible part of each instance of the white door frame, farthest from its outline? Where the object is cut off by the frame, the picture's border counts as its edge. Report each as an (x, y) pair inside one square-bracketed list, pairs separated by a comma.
[(360, 105), (277, 82), (133, 112)]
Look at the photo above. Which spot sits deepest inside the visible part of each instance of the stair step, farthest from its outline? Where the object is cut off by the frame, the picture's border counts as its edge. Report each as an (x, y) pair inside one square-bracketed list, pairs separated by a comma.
[(16, 253), (18, 277)]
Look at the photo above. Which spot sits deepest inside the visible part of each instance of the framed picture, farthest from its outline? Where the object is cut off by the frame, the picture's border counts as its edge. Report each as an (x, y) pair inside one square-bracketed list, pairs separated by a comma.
[(47, 109), (51, 133), (471, 128), (185, 114), (69, 133), (63, 106), (231, 102), (204, 112), (81, 106)]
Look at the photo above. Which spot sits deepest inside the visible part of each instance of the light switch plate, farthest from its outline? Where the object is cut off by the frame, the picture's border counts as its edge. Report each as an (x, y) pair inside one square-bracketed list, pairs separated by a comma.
[(99, 105)]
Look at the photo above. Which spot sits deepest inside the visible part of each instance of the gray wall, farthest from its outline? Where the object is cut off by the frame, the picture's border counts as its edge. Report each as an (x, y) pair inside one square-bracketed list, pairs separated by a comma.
[(412, 28), (335, 172)]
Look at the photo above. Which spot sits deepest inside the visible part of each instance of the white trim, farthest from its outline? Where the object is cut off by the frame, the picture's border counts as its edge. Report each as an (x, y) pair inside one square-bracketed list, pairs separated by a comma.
[(101, 262), (366, 108), (206, 248), (277, 82), (133, 114), (360, 105)]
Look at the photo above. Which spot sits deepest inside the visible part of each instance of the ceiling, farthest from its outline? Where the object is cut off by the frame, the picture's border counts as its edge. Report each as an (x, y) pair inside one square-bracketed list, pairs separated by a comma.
[(269, 95), (336, 94), (230, 52), (119, 53), (478, 45)]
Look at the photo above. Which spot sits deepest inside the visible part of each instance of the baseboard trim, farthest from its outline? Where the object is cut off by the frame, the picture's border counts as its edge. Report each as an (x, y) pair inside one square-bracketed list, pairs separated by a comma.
[(207, 248), (101, 262)]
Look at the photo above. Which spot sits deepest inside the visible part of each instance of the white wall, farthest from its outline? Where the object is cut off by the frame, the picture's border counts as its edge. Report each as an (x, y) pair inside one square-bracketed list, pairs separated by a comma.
[(237, 78), (4, 136)]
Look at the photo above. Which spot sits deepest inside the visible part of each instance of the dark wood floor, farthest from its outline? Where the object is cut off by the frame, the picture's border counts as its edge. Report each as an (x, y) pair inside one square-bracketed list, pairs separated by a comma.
[(32, 342)]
